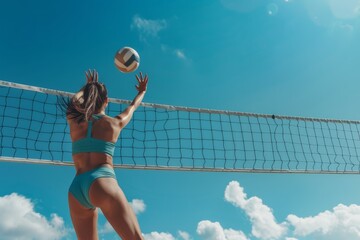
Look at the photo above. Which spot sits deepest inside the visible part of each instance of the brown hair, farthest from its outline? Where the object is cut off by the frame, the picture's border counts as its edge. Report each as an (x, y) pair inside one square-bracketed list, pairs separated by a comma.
[(89, 100)]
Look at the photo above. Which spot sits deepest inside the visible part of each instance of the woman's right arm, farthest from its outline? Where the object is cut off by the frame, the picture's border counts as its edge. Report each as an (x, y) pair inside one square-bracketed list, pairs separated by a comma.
[(127, 114)]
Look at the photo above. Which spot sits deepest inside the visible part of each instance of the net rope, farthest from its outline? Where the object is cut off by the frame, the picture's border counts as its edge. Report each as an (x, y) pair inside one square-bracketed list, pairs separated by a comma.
[(33, 130)]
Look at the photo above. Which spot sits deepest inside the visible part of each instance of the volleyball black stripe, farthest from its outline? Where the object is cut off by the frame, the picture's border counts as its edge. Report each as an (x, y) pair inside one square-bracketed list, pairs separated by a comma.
[(127, 60)]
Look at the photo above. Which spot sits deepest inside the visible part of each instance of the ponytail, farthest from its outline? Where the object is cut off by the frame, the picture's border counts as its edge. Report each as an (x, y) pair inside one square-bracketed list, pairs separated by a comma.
[(89, 100), (90, 95)]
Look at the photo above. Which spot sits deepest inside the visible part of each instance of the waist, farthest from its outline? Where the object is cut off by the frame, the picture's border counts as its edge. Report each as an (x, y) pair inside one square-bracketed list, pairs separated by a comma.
[(102, 170), (82, 166), (89, 145)]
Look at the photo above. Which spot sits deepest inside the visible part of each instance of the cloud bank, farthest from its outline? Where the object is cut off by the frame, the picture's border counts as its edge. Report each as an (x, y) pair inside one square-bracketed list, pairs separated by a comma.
[(18, 220), (342, 222), (138, 206), (158, 236), (264, 225), (214, 231)]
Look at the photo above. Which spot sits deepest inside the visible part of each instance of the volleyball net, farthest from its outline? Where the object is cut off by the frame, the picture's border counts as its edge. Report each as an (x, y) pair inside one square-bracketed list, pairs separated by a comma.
[(33, 129)]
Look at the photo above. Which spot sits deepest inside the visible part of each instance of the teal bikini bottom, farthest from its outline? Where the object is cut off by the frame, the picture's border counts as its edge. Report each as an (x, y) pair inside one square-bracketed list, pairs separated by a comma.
[(81, 184)]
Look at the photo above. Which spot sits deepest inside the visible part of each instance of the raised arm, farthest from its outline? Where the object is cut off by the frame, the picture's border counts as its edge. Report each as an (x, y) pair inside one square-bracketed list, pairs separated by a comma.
[(127, 114)]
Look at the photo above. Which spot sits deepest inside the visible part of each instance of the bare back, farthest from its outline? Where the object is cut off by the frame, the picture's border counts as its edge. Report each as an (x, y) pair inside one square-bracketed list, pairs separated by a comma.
[(107, 129)]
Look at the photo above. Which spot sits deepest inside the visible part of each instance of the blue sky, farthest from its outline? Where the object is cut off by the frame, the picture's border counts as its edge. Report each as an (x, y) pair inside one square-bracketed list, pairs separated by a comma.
[(286, 57)]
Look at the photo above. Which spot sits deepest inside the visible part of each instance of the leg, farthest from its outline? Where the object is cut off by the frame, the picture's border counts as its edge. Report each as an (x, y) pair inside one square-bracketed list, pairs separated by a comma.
[(83, 219), (106, 194)]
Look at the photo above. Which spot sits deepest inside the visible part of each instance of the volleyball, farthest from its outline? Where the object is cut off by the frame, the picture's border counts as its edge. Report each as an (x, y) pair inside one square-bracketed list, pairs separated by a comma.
[(127, 60)]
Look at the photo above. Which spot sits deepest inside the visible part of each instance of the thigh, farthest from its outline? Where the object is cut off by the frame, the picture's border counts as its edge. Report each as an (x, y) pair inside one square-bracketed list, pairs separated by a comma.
[(106, 194), (83, 219)]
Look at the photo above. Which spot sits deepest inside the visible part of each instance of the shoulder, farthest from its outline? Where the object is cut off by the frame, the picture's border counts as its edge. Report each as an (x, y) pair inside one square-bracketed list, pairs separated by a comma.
[(117, 121), (110, 120)]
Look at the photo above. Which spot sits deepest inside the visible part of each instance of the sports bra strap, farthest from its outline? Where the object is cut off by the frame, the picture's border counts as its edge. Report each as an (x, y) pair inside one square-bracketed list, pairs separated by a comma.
[(97, 116), (90, 123), (88, 134)]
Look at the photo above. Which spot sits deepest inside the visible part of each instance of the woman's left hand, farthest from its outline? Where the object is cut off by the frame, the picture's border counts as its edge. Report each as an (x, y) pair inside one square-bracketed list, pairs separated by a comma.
[(91, 76)]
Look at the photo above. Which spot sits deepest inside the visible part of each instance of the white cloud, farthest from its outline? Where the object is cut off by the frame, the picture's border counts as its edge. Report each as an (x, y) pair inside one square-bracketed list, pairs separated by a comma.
[(210, 230), (340, 9), (18, 220), (264, 225), (138, 205), (214, 231), (180, 54), (344, 9), (107, 228), (184, 235), (158, 236), (334, 14), (330, 14), (343, 222), (177, 52), (232, 234), (339, 27), (148, 27)]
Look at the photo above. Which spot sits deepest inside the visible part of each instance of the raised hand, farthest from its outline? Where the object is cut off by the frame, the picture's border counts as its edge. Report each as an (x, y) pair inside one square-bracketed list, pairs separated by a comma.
[(91, 76), (142, 82)]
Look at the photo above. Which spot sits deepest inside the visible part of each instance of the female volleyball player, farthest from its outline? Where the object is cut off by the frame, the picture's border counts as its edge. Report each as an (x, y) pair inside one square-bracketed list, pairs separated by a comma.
[(94, 135)]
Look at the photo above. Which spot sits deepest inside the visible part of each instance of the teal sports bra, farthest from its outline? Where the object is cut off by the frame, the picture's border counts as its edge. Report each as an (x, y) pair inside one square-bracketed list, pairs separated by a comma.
[(90, 144)]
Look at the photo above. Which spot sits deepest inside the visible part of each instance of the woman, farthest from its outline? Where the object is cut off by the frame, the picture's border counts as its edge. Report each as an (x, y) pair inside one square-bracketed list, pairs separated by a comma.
[(94, 135)]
